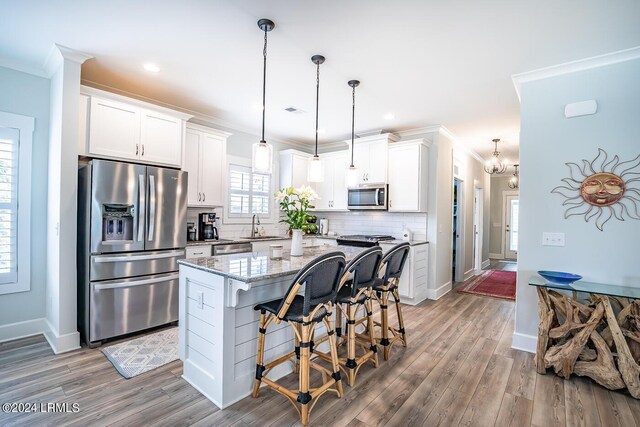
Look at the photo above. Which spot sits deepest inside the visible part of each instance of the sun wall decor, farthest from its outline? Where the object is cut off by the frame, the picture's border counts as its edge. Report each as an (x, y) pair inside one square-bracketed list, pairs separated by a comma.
[(602, 189)]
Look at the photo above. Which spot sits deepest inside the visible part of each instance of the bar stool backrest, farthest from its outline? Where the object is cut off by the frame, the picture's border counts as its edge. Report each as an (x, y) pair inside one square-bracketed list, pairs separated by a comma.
[(394, 260), (364, 268), (320, 278)]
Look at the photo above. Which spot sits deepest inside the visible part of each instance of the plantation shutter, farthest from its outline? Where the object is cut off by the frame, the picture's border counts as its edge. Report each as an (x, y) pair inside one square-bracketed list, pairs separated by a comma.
[(249, 193), (9, 150)]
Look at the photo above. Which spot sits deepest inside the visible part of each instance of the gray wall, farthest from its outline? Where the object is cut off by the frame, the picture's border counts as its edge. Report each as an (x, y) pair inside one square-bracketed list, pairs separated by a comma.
[(547, 141), (29, 95), (498, 186)]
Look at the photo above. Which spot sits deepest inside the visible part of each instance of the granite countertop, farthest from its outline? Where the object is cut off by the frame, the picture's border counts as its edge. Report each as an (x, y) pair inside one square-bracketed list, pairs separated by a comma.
[(263, 239), (411, 242), (255, 266)]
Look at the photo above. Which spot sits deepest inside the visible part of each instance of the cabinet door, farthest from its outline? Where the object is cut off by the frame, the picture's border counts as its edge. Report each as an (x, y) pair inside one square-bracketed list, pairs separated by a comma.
[(361, 160), (160, 139), (378, 155), (212, 169), (404, 178), (325, 188), (300, 169), (340, 163), (197, 251), (114, 129), (191, 164)]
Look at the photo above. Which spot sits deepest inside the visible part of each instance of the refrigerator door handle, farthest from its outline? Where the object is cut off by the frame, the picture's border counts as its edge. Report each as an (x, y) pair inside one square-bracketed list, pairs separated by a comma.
[(104, 259), (140, 189), (116, 285), (152, 206)]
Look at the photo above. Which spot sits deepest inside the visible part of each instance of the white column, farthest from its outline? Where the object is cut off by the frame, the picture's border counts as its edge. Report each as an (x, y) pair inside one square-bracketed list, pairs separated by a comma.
[(63, 68)]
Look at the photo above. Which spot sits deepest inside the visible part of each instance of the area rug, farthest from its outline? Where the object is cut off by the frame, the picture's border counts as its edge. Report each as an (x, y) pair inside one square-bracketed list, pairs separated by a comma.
[(145, 353), (492, 283)]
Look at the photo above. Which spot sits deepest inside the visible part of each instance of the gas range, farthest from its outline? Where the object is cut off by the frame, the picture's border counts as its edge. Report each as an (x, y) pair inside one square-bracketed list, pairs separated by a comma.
[(363, 240)]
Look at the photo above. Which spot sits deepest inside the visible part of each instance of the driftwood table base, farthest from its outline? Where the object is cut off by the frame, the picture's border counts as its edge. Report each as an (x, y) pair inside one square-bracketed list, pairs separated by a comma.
[(598, 338)]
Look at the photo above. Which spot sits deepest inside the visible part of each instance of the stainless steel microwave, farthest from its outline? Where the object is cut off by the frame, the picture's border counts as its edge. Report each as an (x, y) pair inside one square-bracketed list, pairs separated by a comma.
[(368, 196)]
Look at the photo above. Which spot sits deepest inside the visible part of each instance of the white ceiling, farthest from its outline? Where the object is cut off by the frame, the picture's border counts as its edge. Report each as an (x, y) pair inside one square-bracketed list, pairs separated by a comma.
[(427, 62)]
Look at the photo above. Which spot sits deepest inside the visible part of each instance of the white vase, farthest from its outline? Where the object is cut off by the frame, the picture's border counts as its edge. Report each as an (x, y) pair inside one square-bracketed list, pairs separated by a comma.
[(296, 243)]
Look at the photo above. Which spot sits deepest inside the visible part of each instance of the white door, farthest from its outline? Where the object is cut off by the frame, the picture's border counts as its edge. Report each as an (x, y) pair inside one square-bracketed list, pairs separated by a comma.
[(512, 203), (191, 165), (114, 129), (378, 154), (160, 139), (340, 194), (477, 228), (212, 170), (404, 178), (325, 188)]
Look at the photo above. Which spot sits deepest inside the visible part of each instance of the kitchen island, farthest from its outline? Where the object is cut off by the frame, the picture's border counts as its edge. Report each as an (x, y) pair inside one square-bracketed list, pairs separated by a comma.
[(218, 327)]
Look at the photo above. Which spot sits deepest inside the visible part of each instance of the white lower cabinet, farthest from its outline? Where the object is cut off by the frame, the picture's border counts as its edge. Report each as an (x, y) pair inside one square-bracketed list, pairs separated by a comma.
[(413, 282), (198, 251), (263, 245)]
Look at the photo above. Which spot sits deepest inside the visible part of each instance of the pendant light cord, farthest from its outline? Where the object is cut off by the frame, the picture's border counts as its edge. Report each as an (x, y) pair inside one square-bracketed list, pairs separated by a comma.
[(317, 103), (264, 83), (353, 120)]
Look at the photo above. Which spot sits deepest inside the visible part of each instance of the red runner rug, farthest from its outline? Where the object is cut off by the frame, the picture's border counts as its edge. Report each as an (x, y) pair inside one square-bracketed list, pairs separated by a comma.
[(492, 283)]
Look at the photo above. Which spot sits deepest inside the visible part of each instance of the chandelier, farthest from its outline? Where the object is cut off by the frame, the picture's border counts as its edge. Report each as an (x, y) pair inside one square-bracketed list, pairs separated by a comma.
[(495, 166), (514, 181)]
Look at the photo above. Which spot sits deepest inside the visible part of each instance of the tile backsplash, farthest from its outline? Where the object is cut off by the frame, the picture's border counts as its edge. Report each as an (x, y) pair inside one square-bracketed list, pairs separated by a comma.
[(340, 222)]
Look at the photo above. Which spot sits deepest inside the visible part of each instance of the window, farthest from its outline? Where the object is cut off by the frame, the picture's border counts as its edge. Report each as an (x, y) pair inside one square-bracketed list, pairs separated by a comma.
[(16, 134), (249, 193)]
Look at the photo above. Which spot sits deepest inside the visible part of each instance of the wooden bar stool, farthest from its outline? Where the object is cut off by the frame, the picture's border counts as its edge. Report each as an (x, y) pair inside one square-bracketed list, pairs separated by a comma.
[(355, 291), (320, 278), (391, 268)]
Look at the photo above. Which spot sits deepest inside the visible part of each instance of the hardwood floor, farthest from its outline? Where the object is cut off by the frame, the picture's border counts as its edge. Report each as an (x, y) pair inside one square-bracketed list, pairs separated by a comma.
[(459, 369)]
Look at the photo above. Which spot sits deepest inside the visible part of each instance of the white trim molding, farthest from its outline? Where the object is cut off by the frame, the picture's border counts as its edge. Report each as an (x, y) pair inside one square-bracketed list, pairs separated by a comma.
[(58, 53), (438, 293), (524, 342), (575, 66), (496, 256), (486, 262), (469, 274), (61, 343), (28, 328)]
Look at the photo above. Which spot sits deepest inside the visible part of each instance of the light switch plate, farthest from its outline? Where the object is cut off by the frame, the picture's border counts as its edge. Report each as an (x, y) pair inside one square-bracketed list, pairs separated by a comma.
[(552, 239)]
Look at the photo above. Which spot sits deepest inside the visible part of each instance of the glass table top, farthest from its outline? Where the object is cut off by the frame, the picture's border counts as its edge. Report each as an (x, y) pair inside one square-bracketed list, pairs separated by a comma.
[(590, 287)]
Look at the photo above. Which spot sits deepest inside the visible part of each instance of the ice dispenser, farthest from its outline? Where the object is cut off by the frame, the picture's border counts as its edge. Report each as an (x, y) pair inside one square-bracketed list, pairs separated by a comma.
[(117, 223)]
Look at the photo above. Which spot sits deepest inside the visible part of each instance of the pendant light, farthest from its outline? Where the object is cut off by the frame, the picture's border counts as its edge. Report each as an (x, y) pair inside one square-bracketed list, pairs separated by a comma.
[(514, 182), (495, 166), (262, 153), (315, 173), (351, 178)]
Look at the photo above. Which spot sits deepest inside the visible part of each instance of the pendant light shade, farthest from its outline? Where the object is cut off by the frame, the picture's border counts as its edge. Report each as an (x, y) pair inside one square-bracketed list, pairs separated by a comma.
[(316, 172), (514, 181), (352, 174), (262, 153)]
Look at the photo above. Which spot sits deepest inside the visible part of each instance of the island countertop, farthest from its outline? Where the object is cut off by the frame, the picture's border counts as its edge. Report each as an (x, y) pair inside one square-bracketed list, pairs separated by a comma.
[(255, 266)]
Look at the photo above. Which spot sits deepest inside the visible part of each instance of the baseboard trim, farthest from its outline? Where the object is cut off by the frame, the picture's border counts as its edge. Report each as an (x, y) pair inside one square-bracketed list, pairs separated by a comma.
[(496, 256), (28, 328), (486, 263), (524, 342), (61, 343), (438, 293), (469, 274)]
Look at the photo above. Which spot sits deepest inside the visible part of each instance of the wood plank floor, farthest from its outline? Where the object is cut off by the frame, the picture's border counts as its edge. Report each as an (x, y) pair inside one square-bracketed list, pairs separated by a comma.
[(459, 369)]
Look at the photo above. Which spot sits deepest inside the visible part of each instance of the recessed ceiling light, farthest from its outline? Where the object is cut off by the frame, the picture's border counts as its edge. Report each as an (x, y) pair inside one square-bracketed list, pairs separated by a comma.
[(389, 116), (153, 68)]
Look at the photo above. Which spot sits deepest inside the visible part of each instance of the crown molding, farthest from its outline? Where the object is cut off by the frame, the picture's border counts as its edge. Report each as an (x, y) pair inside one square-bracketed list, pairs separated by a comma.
[(23, 68), (419, 131), (59, 53), (575, 66)]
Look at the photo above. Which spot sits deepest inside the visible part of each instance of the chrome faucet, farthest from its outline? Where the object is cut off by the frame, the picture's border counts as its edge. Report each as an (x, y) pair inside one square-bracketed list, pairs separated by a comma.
[(254, 228)]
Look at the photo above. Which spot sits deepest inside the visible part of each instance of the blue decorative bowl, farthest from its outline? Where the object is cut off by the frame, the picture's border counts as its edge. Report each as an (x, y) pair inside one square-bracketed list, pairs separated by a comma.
[(560, 277)]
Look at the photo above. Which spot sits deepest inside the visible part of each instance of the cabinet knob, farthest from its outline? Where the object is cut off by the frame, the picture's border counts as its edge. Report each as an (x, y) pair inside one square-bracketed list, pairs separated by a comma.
[(136, 149), (204, 197), (199, 197), (143, 149)]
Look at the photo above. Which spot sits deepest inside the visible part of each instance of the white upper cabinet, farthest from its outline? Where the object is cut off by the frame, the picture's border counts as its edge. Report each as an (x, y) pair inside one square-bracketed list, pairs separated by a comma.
[(205, 160), (160, 137), (294, 166), (370, 156), (408, 176), (120, 128), (332, 191)]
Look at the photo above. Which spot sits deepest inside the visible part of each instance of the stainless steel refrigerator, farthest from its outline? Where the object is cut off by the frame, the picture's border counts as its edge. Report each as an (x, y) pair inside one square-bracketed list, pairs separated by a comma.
[(131, 233)]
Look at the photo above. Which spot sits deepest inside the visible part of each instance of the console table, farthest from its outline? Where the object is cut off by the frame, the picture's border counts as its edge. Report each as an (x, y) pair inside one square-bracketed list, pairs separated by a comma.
[(597, 336)]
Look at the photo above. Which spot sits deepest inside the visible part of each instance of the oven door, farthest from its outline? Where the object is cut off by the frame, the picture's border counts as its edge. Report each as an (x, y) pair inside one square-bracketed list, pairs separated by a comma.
[(367, 198)]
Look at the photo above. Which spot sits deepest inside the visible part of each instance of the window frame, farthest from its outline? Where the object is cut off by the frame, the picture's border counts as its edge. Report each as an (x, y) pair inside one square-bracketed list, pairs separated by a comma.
[(25, 126), (228, 217)]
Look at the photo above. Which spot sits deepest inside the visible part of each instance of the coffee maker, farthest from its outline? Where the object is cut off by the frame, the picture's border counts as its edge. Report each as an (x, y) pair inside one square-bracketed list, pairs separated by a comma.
[(207, 226)]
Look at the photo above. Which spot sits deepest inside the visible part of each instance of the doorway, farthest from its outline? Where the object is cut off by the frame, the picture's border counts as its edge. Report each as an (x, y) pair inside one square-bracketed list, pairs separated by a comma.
[(510, 212), (457, 252), (478, 220)]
